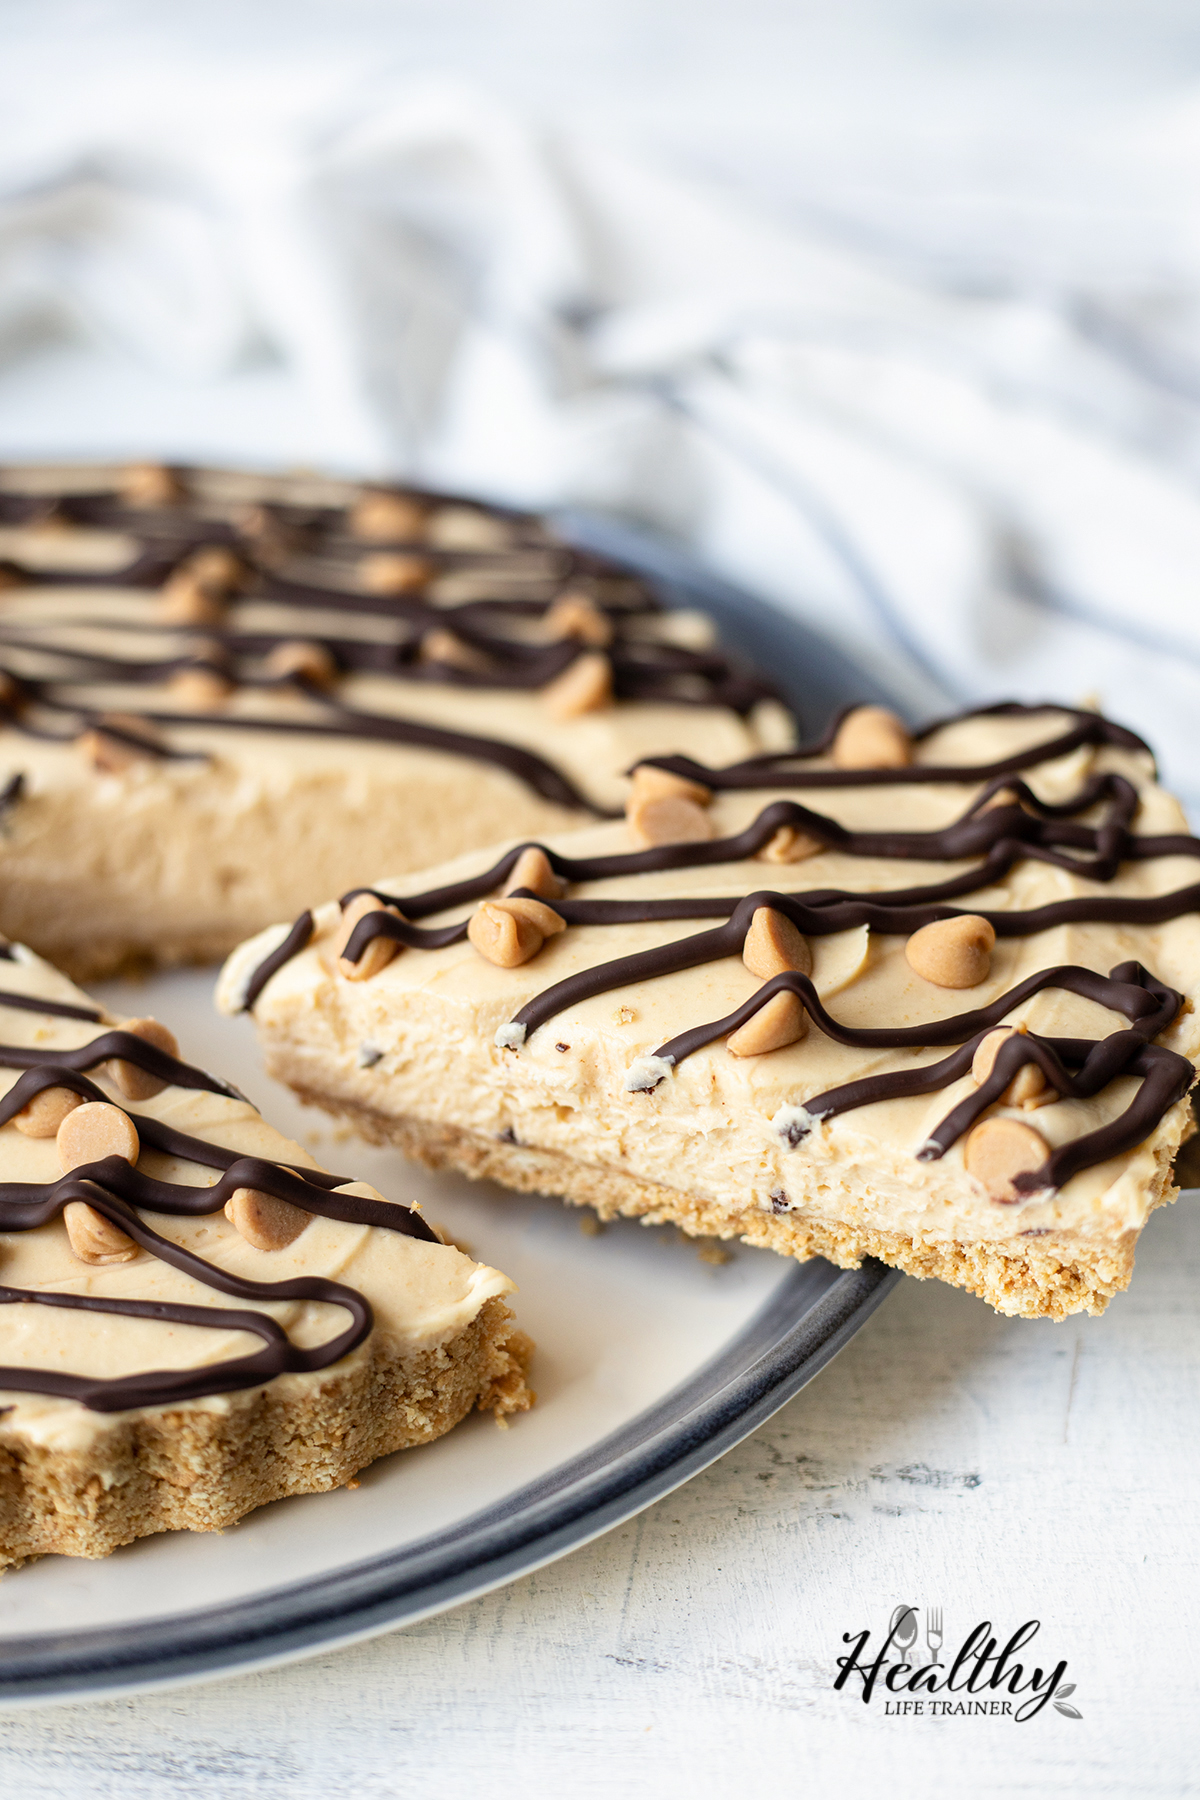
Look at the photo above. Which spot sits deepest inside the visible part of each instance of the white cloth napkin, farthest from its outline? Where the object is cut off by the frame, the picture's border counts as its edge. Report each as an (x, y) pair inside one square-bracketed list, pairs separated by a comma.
[(980, 497)]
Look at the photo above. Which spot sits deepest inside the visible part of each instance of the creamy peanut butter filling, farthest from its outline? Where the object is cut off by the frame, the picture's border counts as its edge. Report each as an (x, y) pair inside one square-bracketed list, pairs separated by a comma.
[(525, 1053), (225, 667)]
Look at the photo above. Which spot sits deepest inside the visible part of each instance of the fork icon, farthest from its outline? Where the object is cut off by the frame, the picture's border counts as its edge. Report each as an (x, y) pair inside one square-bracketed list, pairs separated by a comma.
[(933, 1631)]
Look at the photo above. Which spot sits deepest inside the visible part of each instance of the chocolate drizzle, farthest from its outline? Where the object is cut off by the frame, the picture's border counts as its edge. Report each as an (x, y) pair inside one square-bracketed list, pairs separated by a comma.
[(120, 1192), (1004, 824), (303, 558)]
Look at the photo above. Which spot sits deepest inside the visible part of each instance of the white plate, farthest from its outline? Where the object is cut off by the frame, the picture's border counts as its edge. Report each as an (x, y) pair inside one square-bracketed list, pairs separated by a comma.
[(651, 1362)]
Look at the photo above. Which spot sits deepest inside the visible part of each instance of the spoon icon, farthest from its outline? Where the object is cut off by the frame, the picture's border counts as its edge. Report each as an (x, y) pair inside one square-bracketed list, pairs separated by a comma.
[(903, 1630)]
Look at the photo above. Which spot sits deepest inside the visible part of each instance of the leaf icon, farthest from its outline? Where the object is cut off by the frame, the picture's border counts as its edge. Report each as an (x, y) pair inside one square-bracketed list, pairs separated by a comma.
[(1068, 1712), (1065, 1692)]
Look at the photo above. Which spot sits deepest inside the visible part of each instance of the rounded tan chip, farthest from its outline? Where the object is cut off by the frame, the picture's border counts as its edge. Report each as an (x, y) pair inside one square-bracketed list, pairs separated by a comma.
[(298, 659), (651, 783), (952, 953), (671, 819), (533, 870), (998, 1150), (390, 573), (117, 741), (511, 932), (871, 737), (95, 1239), (266, 1222), (150, 484), (93, 1131), (774, 944), (586, 687), (217, 565), (136, 1083), (1028, 1088), (186, 599), (200, 688), (42, 1116), (782, 1021), (378, 953), (388, 518), (790, 846), (442, 646), (578, 616)]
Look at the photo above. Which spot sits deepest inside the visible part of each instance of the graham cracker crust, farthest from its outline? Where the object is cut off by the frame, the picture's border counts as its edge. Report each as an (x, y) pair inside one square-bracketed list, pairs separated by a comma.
[(1052, 1277), (190, 1470)]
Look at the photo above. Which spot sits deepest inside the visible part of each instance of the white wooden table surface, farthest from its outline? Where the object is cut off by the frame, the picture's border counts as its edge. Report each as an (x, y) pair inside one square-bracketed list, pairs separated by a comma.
[(1001, 1469)]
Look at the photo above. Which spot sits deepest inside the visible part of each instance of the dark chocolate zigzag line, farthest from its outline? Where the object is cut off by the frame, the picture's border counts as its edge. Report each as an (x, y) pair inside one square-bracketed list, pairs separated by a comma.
[(125, 1047), (98, 1185), (309, 1189), (57, 1009), (1148, 1004)]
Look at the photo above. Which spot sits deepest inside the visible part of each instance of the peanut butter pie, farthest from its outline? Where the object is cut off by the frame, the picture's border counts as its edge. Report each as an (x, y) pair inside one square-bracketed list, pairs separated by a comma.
[(927, 998), (224, 697), (195, 1318)]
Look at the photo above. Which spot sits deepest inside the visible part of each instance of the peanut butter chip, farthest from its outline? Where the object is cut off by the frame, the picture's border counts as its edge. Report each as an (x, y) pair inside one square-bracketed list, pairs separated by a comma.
[(533, 870), (774, 944), (1028, 1088), (389, 573), (117, 741), (871, 737), (93, 1131), (264, 1221), (301, 660), (952, 953), (442, 646), (217, 565), (790, 846), (669, 820), (387, 518), (200, 689), (511, 932), (135, 1083), (42, 1116), (150, 484), (576, 616), (378, 953), (780, 1022), (650, 783), (95, 1239), (998, 1150), (583, 688)]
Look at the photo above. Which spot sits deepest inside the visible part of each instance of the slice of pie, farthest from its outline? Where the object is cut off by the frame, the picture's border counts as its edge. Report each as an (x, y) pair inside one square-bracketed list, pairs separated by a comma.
[(923, 998), (195, 1319), (224, 697)]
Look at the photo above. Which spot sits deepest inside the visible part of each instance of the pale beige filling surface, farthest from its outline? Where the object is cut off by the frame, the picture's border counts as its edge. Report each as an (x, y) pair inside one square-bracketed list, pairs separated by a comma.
[(707, 1129), (422, 1294), (183, 858)]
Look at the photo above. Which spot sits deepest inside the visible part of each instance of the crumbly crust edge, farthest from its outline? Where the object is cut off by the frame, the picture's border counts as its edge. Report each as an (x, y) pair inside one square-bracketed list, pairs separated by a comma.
[(203, 1470), (1052, 1277)]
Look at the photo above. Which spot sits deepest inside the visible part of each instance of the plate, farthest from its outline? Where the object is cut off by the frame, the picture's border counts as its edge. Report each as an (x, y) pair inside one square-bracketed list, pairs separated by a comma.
[(653, 1360)]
